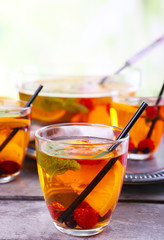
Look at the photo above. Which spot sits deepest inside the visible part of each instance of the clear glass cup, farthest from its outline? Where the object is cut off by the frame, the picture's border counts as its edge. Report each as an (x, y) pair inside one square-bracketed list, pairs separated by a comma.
[(68, 160), (73, 98), (146, 135), (15, 127)]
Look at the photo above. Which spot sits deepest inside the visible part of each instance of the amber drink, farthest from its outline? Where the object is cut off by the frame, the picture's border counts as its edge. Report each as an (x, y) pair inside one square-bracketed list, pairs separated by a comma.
[(75, 98), (14, 123), (67, 163), (145, 136)]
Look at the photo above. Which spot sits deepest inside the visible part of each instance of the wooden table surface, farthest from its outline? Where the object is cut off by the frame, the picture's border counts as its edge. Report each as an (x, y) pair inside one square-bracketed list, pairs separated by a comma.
[(23, 214)]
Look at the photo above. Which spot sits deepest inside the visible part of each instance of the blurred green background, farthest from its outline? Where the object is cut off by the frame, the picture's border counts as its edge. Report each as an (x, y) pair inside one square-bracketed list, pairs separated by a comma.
[(97, 35)]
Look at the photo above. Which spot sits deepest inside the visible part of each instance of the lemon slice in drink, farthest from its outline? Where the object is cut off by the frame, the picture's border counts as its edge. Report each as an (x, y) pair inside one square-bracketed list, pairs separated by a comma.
[(105, 195)]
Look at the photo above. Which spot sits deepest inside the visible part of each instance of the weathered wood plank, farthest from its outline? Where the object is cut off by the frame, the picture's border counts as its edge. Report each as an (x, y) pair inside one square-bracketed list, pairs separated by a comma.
[(24, 220), (147, 192), (27, 184)]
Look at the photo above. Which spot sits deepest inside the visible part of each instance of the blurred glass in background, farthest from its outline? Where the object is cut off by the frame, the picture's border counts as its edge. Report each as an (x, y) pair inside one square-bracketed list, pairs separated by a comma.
[(95, 36)]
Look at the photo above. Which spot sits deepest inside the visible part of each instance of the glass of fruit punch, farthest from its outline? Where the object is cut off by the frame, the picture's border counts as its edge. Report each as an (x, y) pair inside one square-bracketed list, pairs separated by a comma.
[(68, 159), (146, 136), (15, 122)]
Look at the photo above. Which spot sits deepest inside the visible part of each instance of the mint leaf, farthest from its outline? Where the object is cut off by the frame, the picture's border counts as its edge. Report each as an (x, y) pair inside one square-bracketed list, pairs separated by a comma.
[(49, 103), (54, 166), (54, 103), (75, 107)]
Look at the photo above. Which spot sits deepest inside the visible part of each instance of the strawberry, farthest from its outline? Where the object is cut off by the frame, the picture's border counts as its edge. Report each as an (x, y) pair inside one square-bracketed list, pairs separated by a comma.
[(83, 205), (70, 221), (55, 210), (9, 167), (86, 218), (146, 145), (87, 102), (152, 112)]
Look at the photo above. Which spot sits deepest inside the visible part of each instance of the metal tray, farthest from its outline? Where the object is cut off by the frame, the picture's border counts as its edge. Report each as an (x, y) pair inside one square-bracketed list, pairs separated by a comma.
[(138, 171), (146, 171)]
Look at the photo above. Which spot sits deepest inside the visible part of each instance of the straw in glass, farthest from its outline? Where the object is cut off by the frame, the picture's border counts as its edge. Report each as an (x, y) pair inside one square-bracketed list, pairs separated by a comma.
[(105, 169), (12, 134), (154, 120)]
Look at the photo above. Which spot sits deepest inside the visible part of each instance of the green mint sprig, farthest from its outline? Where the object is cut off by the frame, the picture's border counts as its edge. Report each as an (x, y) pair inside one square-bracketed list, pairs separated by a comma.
[(54, 166)]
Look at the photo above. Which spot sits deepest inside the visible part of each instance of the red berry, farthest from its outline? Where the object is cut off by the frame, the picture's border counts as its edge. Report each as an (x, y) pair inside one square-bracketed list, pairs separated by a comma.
[(88, 162), (55, 210), (132, 148), (54, 214), (9, 167), (83, 205), (58, 206), (86, 217), (146, 145), (87, 102), (70, 221), (152, 112)]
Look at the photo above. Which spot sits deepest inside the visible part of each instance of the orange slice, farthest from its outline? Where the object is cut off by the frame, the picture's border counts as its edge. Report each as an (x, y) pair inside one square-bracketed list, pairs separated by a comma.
[(12, 151), (83, 177), (124, 107), (104, 196), (44, 116), (99, 115), (13, 123)]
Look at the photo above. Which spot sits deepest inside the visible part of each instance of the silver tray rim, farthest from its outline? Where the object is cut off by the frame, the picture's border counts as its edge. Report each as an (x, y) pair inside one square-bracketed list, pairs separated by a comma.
[(130, 178)]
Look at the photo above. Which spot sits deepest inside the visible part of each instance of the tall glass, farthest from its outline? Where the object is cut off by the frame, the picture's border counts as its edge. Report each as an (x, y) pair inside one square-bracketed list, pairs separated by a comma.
[(68, 160), (14, 125)]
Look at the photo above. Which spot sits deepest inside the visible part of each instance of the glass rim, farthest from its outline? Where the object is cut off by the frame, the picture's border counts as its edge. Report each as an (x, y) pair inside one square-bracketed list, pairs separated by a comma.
[(8, 100), (22, 85), (137, 100), (37, 136)]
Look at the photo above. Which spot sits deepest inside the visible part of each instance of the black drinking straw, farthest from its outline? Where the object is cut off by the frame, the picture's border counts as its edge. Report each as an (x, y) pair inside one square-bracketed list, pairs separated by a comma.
[(12, 134), (154, 120), (105, 169), (136, 57)]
